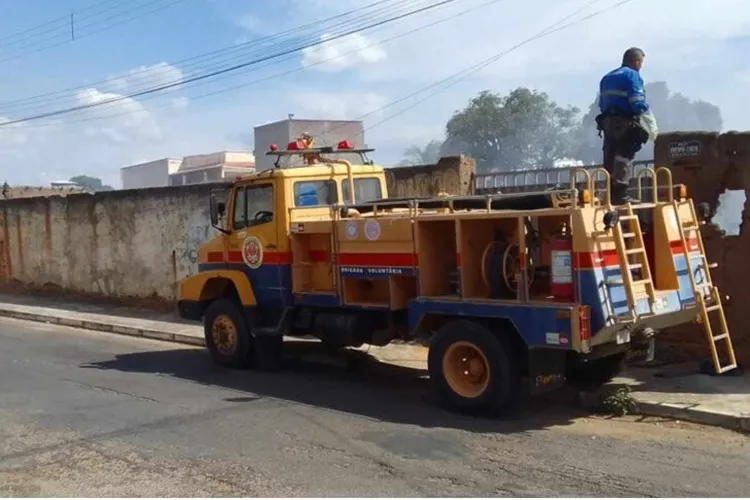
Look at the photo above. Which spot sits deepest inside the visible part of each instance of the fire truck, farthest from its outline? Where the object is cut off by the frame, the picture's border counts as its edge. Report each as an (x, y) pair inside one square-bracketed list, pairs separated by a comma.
[(516, 292)]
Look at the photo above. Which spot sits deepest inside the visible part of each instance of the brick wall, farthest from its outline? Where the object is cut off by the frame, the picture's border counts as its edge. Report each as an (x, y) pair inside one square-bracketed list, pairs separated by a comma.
[(452, 174), (709, 164)]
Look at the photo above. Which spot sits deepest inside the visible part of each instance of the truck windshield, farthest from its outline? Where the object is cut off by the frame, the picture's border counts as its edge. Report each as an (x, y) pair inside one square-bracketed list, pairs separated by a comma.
[(365, 189), (315, 193)]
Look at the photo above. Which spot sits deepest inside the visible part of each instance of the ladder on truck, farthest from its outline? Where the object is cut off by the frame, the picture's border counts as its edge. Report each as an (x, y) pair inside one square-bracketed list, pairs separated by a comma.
[(706, 294), (628, 243), (628, 238)]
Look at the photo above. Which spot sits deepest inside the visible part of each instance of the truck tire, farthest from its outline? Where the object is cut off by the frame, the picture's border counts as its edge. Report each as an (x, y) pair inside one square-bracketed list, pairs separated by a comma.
[(595, 373), (473, 370), (227, 336)]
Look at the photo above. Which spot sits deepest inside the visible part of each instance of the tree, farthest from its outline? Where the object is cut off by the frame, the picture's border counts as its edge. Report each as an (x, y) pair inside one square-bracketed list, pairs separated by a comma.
[(90, 183), (673, 112), (428, 155), (524, 129)]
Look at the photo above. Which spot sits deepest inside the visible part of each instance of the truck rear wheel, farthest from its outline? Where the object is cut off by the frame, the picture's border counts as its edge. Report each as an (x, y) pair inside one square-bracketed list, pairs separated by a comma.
[(227, 336), (473, 370)]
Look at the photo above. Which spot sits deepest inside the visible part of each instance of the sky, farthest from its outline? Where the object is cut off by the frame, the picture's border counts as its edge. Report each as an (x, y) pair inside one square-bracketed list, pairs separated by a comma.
[(119, 47)]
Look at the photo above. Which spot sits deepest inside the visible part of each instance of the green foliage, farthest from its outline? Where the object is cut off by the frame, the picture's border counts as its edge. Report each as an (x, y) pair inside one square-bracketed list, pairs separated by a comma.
[(428, 155), (617, 401), (90, 183), (524, 129)]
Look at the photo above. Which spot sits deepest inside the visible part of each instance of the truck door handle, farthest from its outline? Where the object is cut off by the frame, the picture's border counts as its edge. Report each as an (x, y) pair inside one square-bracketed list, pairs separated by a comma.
[(270, 246)]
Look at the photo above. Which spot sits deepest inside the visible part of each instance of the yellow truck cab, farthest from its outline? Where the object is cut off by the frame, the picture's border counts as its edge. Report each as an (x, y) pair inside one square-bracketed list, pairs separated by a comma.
[(246, 276), (513, 290)]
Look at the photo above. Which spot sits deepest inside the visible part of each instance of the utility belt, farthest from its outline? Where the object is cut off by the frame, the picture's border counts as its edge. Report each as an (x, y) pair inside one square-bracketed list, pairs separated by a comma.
[(618, 123), (614, 114)]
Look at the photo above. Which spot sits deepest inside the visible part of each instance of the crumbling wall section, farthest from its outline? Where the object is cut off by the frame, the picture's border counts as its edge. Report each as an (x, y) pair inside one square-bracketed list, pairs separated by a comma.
[(710, 164), (453, 175)]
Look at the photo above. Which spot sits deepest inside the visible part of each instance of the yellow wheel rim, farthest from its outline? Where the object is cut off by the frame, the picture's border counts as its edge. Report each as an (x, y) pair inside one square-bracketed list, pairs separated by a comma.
[(224, 334), (466, 369)]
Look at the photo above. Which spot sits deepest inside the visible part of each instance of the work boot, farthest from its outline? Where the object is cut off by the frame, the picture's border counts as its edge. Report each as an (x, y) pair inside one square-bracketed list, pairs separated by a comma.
[(619, 194)]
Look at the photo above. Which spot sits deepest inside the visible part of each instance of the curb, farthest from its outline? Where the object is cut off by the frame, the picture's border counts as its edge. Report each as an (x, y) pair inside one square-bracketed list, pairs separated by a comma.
[(648, 408), (692, 414), (100, 326)]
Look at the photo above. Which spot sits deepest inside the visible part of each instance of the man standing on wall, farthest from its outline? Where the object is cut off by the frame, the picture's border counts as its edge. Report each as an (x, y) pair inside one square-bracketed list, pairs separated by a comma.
[(622, 100)]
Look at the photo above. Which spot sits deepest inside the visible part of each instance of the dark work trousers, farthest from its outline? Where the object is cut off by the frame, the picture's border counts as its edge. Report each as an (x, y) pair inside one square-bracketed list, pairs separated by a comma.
[(623, 138)]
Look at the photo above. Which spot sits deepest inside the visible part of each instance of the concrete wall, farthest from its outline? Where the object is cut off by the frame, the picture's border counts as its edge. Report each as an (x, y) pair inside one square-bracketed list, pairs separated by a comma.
[(124, 244), (716, 170), (34, 191)]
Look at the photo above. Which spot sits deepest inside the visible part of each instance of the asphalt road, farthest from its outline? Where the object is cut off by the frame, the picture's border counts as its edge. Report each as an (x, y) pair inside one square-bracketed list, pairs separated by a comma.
[(88, 414)]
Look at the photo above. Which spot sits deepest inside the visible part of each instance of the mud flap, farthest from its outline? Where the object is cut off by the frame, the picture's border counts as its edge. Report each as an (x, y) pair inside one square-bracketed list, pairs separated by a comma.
[(546, 370)]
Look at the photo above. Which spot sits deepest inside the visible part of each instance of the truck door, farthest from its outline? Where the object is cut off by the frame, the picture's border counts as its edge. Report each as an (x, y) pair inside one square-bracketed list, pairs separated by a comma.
[(255, 242)]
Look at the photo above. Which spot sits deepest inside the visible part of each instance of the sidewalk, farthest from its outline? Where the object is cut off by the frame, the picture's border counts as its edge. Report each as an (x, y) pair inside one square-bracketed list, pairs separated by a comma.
[(673, 392), (105, 318)]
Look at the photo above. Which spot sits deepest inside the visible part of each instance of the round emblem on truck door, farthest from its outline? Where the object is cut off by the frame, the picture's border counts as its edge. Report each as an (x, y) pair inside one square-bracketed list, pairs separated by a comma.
[(351, 230), (252, 252), (372, 229)]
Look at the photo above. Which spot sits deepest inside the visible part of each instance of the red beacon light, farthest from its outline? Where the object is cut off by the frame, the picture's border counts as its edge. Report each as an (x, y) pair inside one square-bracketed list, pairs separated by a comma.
[(344, 145), (274, 147)]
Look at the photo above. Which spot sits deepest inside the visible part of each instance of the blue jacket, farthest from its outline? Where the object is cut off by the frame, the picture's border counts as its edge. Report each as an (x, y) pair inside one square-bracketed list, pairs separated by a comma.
[(622, 90)]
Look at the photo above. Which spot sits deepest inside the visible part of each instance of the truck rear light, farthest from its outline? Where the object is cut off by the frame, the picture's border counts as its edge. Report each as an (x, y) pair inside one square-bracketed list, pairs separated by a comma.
[(584, 328)]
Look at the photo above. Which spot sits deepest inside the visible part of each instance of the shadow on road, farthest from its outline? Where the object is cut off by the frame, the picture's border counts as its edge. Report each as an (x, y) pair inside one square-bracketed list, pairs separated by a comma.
[(362, 386)]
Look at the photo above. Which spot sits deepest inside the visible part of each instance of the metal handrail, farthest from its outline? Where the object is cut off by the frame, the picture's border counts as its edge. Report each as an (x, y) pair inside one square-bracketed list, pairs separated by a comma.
[(518, 178), (639, 185), (589, 184), (670, 185), (607, 184)]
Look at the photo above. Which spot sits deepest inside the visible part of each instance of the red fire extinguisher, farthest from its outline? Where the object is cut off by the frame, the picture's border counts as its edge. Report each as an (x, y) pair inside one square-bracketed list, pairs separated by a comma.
[(561, 275)]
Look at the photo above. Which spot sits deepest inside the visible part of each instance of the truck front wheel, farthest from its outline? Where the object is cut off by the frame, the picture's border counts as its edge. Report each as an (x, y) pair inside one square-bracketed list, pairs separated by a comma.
[(227, 336), (473, 370)]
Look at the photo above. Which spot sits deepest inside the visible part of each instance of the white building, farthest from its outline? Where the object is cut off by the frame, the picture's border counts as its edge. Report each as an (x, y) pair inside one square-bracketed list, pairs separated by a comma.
[(213, 167), (150, 174), (326, 133)]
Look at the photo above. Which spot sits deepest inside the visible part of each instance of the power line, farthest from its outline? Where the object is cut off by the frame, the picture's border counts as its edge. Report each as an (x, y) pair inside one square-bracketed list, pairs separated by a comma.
[(64, 36), (463, 74), (203, 65), (62, 19), (229, 69), (295, 70), (361, 17)]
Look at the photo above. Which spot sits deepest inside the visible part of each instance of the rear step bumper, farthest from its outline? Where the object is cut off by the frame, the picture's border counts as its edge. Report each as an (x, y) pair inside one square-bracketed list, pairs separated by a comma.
[(639, 349)]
